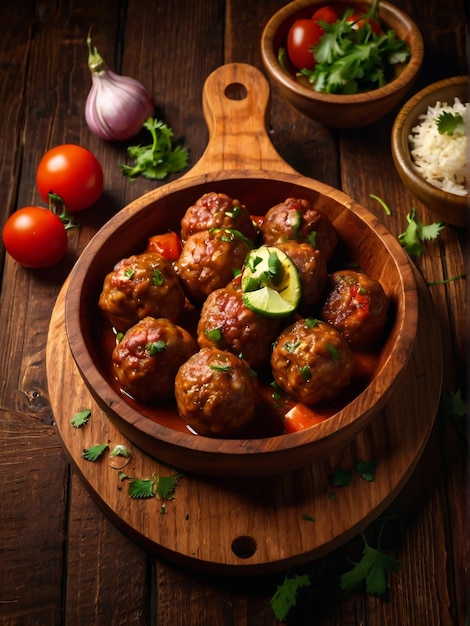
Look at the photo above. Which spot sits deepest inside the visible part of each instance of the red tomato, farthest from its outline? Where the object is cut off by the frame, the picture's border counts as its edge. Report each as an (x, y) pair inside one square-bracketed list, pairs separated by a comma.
[(166, 244), (35, 237), (360, 23), (302, 36), (325, 14), (73, 173)]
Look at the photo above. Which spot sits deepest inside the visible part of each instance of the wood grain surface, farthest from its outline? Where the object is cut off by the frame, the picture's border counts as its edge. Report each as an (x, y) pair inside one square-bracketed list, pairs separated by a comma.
[(62, 560)]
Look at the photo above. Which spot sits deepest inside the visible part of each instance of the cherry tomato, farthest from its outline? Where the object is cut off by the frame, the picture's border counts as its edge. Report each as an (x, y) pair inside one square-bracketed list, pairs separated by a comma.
[(73, 173), (302, 36), (35, 237), (360, 22), (325, 14), (166, 244)]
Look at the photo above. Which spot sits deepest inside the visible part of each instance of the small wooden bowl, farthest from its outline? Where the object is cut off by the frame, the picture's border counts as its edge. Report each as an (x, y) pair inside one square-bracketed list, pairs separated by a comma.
[(444, 206), (241, 161), (340, 111)]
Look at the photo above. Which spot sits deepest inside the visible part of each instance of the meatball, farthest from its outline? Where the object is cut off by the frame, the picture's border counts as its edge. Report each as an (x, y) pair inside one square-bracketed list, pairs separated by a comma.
[(148, 357), (296, 218), (226, 323), (140, 286), (216, 393), (312, 269), (357, 306), (208, 260), (311, 361), (217, 210)]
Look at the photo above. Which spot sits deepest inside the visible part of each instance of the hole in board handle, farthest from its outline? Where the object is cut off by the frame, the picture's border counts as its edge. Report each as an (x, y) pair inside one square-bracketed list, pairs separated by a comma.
[(236, 91), (244, 547)]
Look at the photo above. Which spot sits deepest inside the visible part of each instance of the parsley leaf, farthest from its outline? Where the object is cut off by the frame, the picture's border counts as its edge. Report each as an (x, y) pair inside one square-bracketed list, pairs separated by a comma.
[(412, 239), (81, 418), (158, 159), (94, 453), (371, 569), (448, 123), (285, 596)]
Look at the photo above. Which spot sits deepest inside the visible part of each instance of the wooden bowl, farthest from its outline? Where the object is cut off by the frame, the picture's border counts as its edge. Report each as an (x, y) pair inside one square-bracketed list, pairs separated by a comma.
[(333, 110), (241, 161), (443, 206)]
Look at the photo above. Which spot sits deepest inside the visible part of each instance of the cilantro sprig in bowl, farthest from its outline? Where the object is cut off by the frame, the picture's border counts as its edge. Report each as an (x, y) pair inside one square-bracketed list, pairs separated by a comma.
[(432, 106), (363, 64)]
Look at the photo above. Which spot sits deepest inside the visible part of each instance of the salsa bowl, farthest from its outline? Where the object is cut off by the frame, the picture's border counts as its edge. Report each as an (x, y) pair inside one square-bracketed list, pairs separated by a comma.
[(258, 177)]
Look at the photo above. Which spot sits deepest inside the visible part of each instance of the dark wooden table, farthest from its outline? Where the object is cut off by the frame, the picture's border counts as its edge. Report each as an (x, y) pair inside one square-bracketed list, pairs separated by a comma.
[(61, 560)]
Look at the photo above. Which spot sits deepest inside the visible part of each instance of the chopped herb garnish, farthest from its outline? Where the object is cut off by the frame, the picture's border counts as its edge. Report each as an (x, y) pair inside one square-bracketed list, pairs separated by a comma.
[(310, 322), (214, 334), (94, 453), (333, 351), (371, 569), (306, 373), (382, 203), (291, 346), (340, 478), (449, 123), (412, 240), (155, 347), (81, 418), (285, 596), (367, 470), (220, 367), (157, 278), (129, 273)]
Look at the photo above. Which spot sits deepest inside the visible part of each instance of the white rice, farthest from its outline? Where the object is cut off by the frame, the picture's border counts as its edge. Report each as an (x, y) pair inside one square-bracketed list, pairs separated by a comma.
[(441, 159)]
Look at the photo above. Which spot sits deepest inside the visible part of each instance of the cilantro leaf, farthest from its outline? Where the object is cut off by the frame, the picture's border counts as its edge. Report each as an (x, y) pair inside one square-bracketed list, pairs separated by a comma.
[(367, 470), (416, 233), (371, 569), (448, 123), (350, 60), (142, 487), (158, 159), (340, 478), (285, 596), (94, 453), (81, 418), (166, 486)]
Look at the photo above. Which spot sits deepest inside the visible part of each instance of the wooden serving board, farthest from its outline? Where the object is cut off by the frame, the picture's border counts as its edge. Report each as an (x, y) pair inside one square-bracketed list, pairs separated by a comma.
[(253, 526)]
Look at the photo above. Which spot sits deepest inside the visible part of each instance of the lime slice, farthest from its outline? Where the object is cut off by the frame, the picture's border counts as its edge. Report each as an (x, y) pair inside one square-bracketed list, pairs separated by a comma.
[(270, 282)]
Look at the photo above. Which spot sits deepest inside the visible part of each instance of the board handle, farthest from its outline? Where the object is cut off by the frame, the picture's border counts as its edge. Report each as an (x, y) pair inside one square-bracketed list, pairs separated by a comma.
[(236, 99)]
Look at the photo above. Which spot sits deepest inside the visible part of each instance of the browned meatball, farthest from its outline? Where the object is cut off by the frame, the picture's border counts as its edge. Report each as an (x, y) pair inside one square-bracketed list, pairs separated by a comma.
[(312, 269), (296, 218), (226, 323), (140, 286), (208, 261), (357, 306), (311, 361), (148, 357), (216, 393), (217, 210)]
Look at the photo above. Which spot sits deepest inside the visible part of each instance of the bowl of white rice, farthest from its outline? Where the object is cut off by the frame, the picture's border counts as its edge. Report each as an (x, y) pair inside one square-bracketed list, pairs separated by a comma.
[(430, 148)]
